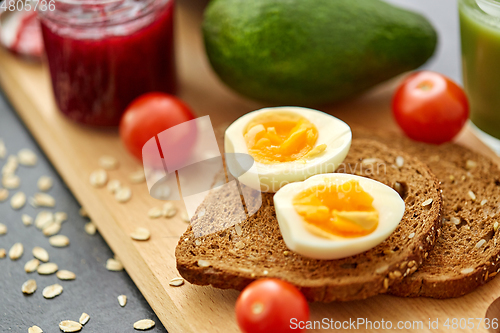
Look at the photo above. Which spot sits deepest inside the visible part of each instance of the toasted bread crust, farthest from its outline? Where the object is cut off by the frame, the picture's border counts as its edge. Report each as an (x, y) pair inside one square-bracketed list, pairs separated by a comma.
[(235, 259), (456, 266)]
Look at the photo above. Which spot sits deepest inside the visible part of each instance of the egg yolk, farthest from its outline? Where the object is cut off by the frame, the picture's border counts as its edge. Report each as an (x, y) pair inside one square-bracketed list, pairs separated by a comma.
[(278, 137), (344, 210)]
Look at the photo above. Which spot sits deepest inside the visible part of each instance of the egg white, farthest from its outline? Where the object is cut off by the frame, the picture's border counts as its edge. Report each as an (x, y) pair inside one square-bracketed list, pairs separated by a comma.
[(331, 131), (297, 238)]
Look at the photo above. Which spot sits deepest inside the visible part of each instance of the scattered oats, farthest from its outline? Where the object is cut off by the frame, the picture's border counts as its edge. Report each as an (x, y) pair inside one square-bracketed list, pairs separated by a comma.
[(495, 226), (185, 217), (60, 217), (386, 283), (10, 166), (467, 270), (51, 229), (427, 202), (4, 194), (410, 236), (52, 291), (98, 178), (484, 202), (238, 229), (140, 234), (472, 195), (114, 185), (65, 275), (16, 251), (122, 300), (27, 220), (155, 213), (29, 287), (47, 268), (480, 243), (26, 157), (44, 200), (44, 219), (3, 149), (137, 177), (40, 253), (18, 200), (31, 265), (239, 245), (3, 253), (114, 265), (11, 181), (3, 229), (144, 324), (108, 162), (197, 242), (176, 282), (90, 228), (469, 165), (59, 241), (44, 183), (455, 220), (83, 212), (203, 263), (70, 326), (123, 195), (35, 329), (169, 210), (84, 318), (400, 161)]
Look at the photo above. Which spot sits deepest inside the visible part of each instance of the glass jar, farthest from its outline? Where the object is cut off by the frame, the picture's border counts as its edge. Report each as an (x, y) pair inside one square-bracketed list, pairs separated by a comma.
[(480, 36), (104, 53)]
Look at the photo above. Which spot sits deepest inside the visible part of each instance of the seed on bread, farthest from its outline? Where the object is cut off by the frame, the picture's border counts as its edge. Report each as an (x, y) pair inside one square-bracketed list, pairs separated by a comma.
[(480, 243), (495, 226), (203, 263), (470, 164), (471, 195), (400, 161), (427, 202)]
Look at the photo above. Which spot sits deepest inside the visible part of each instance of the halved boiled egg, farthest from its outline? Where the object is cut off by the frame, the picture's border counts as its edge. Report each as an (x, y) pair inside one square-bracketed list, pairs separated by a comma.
[(288, 144), (336, 215)]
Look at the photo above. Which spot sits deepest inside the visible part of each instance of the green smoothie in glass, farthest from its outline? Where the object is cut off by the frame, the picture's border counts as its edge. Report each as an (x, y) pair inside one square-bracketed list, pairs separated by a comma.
[(480, 34)]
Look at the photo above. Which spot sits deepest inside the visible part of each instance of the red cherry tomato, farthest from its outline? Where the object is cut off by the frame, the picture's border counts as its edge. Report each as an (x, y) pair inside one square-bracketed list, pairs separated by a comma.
[(429, 107), (269, 305), (151, 114)]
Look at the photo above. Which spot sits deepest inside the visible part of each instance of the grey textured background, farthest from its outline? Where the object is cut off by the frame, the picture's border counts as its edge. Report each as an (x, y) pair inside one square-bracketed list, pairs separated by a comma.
[(95, 289)]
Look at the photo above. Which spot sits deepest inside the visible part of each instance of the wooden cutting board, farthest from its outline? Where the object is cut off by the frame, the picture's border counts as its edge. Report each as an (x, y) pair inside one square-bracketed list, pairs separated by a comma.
[(74, 151)]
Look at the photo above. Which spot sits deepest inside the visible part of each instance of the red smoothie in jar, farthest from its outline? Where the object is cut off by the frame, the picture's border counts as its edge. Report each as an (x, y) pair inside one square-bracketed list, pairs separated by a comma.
[(102, 54)]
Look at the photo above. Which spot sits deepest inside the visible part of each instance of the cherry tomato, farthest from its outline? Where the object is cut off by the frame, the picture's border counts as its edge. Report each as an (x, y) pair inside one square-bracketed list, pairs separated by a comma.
[(269, 305), (151, 114), (429, 107)]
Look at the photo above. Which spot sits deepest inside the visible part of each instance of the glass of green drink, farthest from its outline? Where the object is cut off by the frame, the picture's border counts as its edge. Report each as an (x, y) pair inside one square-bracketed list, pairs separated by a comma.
[(480, 35)]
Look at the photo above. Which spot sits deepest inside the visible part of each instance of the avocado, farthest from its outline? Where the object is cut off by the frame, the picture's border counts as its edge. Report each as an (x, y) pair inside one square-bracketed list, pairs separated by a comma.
[(310, 52)]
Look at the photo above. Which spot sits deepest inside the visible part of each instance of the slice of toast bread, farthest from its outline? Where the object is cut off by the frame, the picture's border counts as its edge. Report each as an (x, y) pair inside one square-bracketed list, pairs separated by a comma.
[(467, 254), (240, 254)]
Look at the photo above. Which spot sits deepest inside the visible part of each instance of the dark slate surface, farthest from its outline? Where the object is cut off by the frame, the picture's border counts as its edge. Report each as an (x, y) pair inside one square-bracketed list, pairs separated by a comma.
[(95, 289)]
